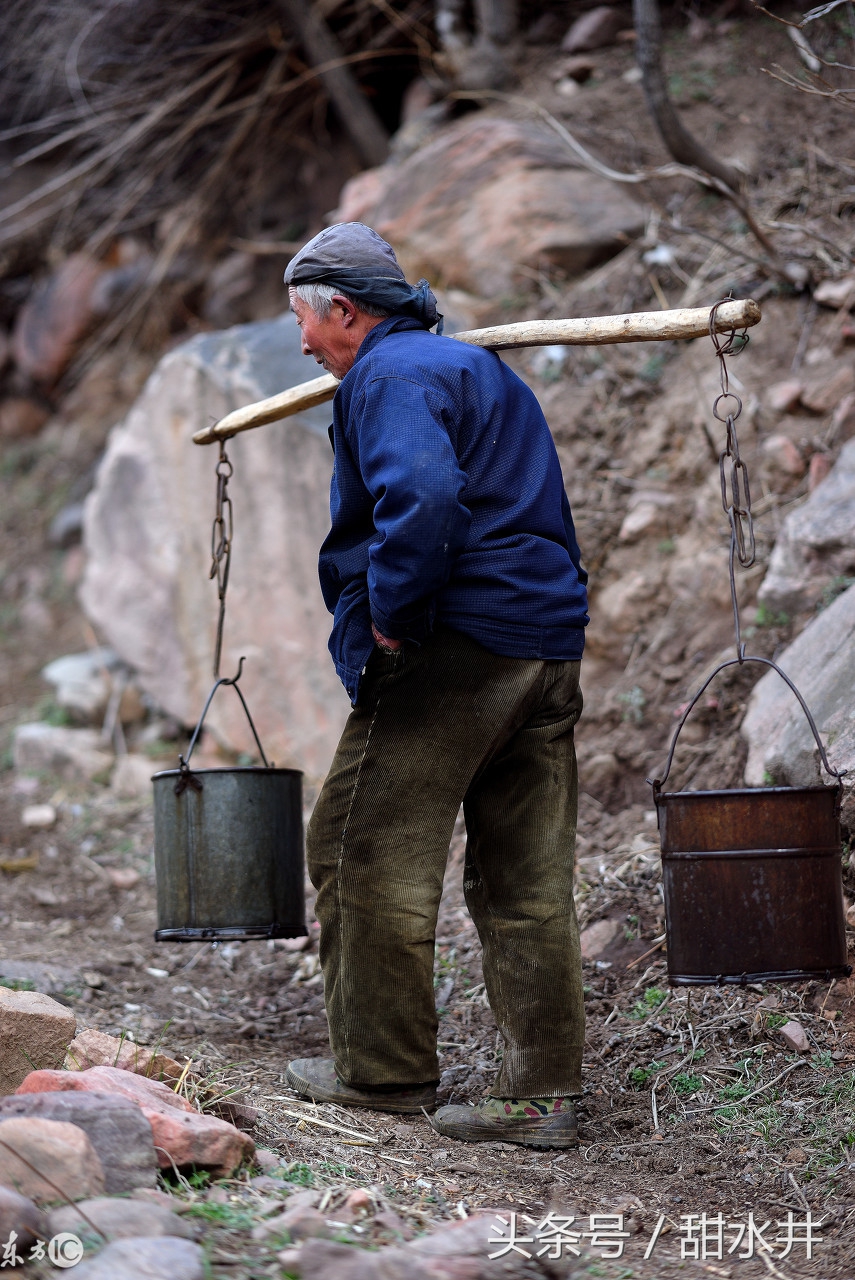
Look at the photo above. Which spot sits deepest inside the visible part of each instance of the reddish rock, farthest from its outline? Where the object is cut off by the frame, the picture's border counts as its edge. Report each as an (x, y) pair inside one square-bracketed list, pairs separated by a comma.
[(825, 395), (117, 1129), (55, 317), (298, 1223), (20, 416), (34, 1032), (843, 420), (454, 208), (782, 455), (593, 30), (93, 1048), (794, 1037), (48, 1159), (784, 397), (182, 1135), (819, 467), (19, 1214)]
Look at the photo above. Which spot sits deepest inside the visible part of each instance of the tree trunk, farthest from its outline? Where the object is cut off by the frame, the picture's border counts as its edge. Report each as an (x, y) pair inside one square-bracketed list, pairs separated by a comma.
[(353, 108), (496, 20), (683, 147)]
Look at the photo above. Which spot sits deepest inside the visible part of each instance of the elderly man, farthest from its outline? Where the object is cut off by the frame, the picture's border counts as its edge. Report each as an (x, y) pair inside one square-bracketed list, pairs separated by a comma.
[(454, 578)]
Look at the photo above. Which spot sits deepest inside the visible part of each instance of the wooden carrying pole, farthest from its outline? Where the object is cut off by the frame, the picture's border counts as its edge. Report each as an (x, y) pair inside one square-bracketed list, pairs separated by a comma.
[(595, 331)]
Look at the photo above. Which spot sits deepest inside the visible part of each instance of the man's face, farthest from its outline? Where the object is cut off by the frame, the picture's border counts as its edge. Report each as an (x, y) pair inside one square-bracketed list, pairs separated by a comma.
[(330, 341)]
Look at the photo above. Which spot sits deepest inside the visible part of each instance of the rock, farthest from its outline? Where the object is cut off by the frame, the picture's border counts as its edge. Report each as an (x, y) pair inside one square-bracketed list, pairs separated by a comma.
[(822, 662), (74, 754), (648, 514), (458, 1252), (818, 469), (18, 1214), (816, 543), (35, 1031), (843, 420), (794, 1037), (836, 293), (21, 417), (146, 580), (93, 1048), (784, 397), (66, 528), (824, 395), (123, 877), (182, 1135), (593, 30), (579, 68), (82, 682), (598, 773), (453, 209), (358, 1204), (131, 778), (119, 1219), (598, 937), (228, 287), (780, 454), (55, 317), (267, 1160), (52, 979), (39, 816), (117, 1129), (165, 1258), (48, 1159), (298, 1222)]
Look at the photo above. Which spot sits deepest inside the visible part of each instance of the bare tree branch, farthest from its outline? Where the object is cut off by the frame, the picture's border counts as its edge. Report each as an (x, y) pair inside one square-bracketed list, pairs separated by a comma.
[(680, 143)]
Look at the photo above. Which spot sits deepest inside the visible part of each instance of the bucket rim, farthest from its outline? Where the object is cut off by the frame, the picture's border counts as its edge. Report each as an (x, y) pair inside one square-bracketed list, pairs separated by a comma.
[(828, 789), (243, 768)]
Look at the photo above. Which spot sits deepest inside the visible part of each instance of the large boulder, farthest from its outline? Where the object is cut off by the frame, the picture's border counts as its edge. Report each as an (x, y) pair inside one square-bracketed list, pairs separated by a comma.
[(487, 201), (821, 662), (817, 542), (148, 543)]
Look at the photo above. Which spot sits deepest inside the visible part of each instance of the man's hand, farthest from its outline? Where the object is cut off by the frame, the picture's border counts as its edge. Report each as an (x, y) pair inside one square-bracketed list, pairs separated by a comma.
[(391, 646)]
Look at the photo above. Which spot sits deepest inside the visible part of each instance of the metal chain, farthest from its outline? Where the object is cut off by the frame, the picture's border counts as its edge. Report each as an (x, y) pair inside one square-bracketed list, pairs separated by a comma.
[(221, 545), (735, 489)]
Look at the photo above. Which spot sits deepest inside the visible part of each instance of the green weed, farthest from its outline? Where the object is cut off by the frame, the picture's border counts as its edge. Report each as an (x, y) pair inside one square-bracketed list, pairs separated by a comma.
[(769, 618), (685, 1084), (640, 1076), (653, 999)]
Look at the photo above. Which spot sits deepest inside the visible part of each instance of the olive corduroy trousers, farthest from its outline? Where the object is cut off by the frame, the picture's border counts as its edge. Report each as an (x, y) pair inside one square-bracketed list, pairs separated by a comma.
[(446, 723)]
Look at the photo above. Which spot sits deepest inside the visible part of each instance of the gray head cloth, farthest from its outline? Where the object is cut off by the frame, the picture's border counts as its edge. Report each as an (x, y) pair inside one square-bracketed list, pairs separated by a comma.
[(363, 266)]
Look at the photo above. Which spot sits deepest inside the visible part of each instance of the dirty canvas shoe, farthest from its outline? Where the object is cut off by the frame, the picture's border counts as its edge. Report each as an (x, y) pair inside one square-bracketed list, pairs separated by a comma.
[(315, 1078), (531, 1122)]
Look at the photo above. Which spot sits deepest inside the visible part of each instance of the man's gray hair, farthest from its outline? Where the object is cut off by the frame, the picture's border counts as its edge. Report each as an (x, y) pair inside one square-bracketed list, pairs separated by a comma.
[(319, 297)]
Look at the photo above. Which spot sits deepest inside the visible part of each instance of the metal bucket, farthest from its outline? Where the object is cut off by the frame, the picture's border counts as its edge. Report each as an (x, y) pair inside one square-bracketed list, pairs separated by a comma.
[(752, 884), (752, 878), (228, 854), (228, 848)]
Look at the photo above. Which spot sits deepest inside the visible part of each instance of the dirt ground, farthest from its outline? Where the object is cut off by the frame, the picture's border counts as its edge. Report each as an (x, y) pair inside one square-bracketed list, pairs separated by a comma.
[(693, 1104)]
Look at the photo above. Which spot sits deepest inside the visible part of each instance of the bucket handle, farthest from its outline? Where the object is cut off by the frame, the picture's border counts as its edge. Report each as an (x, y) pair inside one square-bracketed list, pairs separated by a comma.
[(658, 783), (187, 779)]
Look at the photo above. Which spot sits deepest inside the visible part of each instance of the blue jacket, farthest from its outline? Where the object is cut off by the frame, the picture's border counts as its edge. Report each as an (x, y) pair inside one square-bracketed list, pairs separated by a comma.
[(448, 506)]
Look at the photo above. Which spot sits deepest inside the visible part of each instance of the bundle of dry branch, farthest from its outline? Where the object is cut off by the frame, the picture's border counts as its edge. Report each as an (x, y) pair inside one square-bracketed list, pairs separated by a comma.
[(178, 120)]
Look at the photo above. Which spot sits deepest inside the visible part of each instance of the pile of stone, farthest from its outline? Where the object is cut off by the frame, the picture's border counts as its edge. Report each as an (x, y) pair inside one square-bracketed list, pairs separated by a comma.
[(86, 1117)]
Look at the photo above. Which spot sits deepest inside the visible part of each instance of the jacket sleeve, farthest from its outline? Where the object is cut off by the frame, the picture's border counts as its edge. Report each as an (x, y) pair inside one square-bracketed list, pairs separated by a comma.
[(408, 464)]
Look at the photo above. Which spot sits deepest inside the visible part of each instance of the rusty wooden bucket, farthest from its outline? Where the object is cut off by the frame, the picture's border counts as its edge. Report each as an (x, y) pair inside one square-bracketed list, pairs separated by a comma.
[(752, 878)]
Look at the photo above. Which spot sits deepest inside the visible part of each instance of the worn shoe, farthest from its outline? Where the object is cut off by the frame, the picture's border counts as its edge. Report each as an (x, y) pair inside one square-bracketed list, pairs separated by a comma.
[(315, 1078), (531, 1122)]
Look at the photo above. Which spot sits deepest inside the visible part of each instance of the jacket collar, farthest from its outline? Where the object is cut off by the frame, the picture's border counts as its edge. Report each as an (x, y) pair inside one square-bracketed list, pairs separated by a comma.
[(391, 324)]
